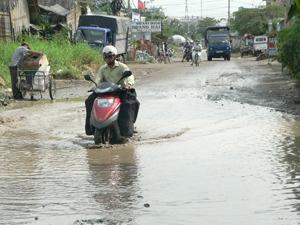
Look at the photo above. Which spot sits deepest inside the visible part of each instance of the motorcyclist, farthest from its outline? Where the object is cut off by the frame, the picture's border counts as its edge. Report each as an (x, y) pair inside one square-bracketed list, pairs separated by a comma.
[(196, 49), (112, 71), (187, 48)]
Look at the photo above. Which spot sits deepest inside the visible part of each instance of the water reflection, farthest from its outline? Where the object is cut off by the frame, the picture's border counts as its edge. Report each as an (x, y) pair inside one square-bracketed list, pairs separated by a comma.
[(290, 159), (114, 172), (18, 167)]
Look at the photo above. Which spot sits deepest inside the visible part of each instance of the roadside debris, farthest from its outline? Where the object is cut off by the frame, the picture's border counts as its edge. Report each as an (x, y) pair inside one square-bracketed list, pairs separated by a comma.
[(142, 56)]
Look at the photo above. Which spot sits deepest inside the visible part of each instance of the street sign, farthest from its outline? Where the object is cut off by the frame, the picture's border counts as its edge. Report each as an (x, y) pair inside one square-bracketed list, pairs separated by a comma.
[(272, 46), (146, 26)]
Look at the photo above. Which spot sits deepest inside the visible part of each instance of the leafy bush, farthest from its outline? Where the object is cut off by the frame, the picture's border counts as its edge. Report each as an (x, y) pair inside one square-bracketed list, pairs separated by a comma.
[(6, 51), (289, 49), (66, 59)]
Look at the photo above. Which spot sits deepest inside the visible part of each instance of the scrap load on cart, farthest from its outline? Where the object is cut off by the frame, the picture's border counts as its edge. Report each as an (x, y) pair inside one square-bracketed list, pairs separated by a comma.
[(34, 75)]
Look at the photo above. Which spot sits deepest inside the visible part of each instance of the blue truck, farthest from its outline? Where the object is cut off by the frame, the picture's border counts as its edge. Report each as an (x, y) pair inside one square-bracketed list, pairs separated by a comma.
[(217, 41), (101, 30)]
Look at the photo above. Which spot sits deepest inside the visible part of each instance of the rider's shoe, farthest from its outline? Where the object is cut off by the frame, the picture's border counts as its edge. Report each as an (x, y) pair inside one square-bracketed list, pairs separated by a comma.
[(121, 140), (89, 130)]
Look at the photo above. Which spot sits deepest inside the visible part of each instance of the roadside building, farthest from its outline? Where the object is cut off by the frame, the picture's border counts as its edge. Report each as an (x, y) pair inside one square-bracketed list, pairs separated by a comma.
[(14, 18), (18, 15), (65, 12)]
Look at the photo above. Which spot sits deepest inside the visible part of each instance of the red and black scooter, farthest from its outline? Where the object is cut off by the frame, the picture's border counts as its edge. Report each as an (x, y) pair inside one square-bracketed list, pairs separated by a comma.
[(105, 111)]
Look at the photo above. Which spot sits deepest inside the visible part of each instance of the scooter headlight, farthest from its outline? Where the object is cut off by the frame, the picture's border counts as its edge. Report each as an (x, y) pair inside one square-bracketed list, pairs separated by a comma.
[(104, 102)]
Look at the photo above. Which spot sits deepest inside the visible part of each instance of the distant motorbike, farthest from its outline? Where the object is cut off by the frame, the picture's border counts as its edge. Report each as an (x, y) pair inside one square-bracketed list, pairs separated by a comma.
[(106, 108), (196, 57), (187, 55)]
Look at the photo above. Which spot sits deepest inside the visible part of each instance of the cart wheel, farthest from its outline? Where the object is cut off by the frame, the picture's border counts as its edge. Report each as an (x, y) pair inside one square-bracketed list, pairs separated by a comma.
[(52, 88), (22, 88)]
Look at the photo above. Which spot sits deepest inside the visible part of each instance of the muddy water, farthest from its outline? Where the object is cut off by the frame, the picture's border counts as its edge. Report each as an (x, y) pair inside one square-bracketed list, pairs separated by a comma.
[(195, 161)]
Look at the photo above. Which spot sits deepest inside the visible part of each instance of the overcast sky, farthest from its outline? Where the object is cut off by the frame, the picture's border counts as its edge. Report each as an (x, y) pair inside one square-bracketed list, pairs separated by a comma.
[(210, 8)]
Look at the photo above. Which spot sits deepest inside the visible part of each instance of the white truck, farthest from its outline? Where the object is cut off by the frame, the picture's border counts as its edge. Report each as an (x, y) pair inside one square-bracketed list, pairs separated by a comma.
[(260, 44)]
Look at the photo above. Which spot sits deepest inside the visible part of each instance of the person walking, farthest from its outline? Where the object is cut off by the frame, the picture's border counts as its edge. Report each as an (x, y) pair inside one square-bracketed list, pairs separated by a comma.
[(15, 63)]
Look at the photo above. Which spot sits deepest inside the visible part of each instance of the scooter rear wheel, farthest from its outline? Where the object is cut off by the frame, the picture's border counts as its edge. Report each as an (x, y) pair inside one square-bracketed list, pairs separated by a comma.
[(98, 136), (106, 136)]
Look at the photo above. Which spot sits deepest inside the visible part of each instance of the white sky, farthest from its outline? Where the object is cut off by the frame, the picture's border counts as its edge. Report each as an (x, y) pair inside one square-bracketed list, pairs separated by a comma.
[(210, 8)]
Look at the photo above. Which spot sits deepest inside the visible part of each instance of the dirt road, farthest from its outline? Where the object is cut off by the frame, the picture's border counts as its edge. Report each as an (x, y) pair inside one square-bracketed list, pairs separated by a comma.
[(217, 144)]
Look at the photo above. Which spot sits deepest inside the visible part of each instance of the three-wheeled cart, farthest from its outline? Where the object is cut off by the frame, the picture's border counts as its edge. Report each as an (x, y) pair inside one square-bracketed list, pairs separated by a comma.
[(34, 76)]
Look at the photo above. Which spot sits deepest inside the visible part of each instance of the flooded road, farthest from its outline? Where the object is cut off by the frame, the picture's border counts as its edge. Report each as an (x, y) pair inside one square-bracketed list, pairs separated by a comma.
[(202, 156)]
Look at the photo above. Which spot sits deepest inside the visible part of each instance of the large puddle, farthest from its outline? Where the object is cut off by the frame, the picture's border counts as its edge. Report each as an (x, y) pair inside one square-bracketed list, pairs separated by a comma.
[(194, 162), (221, 162)]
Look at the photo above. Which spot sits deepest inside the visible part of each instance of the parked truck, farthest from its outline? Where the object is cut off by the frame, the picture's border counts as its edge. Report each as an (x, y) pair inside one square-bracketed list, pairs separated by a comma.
[(217, 40), (101, 30), (260, 45)]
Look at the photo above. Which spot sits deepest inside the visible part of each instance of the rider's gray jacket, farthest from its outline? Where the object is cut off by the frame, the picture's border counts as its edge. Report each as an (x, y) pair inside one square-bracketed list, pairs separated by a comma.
[(197, 48)]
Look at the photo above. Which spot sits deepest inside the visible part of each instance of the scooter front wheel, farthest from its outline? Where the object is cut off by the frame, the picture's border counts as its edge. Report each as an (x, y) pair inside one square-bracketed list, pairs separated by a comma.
[(197, 60)]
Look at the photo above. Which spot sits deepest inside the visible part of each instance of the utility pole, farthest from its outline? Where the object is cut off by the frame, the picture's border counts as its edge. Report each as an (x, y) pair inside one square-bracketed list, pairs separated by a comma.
[(228, 20), (187, 15), (129, 8), (186, 9), (201, 10)]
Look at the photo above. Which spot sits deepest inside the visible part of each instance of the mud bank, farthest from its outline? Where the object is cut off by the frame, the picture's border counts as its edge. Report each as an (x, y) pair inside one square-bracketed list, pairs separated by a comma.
[(261, 83)]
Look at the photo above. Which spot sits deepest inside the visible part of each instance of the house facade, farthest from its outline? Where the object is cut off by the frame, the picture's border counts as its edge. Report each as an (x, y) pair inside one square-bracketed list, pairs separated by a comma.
[(14, 17), (72, 10)]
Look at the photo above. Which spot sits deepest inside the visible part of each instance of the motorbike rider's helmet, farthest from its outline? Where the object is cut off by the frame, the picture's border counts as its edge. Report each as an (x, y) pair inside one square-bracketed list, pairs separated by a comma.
[(109, 50)]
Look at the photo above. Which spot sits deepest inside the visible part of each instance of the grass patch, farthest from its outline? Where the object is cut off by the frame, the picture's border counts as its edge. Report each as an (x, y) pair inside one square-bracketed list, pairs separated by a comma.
[(67, 60)]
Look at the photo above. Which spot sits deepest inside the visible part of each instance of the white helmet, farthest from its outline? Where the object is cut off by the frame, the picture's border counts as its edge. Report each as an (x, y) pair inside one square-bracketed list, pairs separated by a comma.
[(110, 49)]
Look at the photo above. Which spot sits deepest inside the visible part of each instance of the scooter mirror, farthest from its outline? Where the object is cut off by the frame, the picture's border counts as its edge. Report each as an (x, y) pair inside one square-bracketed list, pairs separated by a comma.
[(87, 77), (127, 73)]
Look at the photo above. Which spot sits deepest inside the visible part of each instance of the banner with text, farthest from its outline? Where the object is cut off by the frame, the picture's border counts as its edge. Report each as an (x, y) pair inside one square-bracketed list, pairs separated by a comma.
[(146, 26)]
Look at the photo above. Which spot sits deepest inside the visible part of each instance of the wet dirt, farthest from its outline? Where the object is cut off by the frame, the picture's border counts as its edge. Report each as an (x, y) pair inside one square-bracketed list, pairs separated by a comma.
[(217, 144)]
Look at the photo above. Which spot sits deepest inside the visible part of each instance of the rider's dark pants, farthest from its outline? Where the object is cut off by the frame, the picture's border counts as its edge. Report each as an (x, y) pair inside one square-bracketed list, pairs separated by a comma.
[(88, 106), (14, 82), (128, 112), (127, 116)]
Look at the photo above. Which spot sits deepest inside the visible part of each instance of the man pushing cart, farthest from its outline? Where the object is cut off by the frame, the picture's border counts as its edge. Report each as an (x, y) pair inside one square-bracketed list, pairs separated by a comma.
[(30, 73)]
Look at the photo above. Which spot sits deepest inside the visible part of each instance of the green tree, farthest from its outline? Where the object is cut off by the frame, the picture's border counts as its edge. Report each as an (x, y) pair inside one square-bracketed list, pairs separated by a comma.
[(255, 20), (204, 23), (249, 21), (294, 10), (289, 49), (107, 6), (153, 13)]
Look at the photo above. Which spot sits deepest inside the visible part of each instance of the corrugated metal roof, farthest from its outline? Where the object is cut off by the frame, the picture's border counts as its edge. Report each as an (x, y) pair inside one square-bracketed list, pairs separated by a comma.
[(67, 4), (57, 9)]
